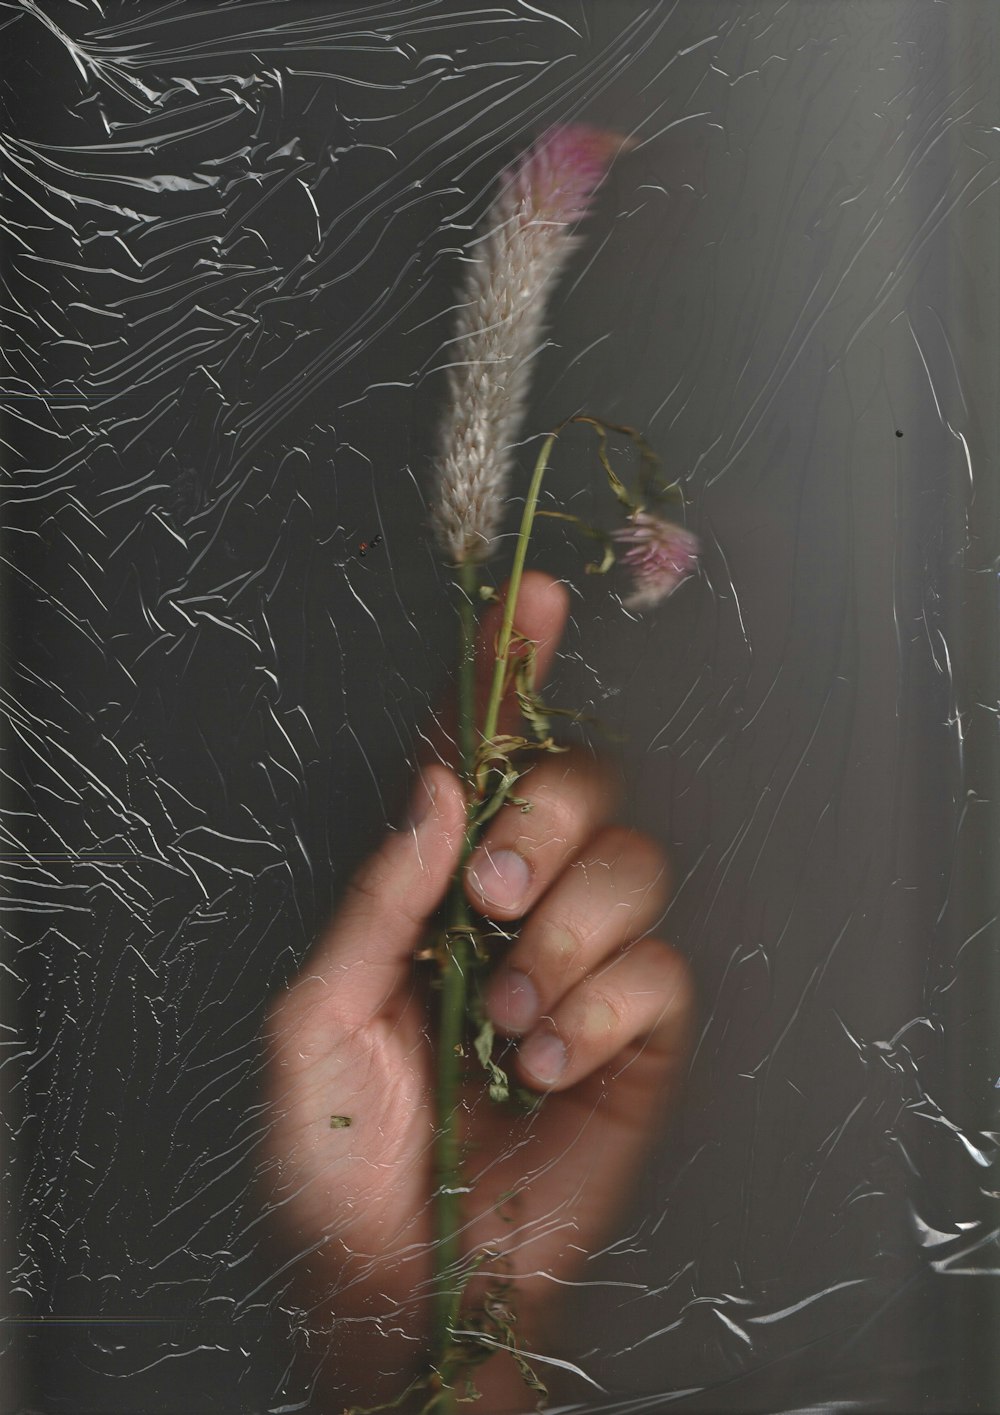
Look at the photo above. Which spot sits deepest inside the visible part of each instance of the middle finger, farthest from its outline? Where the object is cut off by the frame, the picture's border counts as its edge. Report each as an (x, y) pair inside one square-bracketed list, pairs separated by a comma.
[(523, 852)]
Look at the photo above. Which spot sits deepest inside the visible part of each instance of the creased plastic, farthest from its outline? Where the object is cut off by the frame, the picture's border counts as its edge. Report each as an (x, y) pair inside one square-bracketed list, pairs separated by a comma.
[(232, 239)]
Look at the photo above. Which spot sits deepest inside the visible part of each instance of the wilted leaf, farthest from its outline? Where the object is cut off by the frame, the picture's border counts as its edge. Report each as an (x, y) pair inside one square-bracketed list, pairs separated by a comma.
[(499, 1086)]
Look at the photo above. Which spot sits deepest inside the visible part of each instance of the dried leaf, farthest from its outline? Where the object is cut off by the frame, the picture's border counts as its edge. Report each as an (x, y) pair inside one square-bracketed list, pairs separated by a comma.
[(595, 533), (499, 1086), (602, 429), (484, 1043)]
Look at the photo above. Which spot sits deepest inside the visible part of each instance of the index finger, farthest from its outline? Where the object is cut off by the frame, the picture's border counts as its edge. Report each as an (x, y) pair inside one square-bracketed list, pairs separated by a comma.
[(541, 615)]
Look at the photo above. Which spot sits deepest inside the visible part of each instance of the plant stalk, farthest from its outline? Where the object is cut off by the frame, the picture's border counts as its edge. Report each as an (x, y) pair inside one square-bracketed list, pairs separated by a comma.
[(448, 1277), (454, 989), (514, 589)]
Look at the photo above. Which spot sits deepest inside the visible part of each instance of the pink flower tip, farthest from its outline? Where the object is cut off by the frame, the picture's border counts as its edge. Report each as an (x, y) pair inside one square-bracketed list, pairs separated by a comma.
[(557, 177), (660, 555)]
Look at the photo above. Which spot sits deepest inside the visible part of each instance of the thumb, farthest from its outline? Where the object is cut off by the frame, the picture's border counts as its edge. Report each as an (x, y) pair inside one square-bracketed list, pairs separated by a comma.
[(366, 953)]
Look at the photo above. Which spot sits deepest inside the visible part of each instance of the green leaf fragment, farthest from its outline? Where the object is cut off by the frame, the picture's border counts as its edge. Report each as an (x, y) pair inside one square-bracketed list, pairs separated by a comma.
[(340, 1122), (484, 1044), (499, 1086)]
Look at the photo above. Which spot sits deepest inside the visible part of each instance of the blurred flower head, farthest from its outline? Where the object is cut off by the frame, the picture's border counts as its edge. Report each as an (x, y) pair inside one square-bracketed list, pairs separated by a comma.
[(513, 263), (660, 555)]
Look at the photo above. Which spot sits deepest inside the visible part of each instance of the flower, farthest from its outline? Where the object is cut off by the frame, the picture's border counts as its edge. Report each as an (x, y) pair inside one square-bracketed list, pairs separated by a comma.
[(660, 555), (520, 252)]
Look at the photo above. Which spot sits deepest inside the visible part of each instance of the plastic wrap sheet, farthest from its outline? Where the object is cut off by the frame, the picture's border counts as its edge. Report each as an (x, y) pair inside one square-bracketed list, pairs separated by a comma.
[(233, 235)]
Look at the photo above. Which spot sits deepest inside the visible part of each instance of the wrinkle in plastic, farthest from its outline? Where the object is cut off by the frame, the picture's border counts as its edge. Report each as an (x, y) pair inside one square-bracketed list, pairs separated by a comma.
[(233, 236)]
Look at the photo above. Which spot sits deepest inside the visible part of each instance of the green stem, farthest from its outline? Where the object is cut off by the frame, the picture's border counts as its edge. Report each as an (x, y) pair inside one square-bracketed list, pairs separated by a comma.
[(448, 1279), (514, 589), (454, 981), (469, 580)]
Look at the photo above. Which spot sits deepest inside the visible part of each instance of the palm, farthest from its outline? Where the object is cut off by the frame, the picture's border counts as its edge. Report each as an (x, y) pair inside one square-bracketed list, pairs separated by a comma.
[(563, 1167)]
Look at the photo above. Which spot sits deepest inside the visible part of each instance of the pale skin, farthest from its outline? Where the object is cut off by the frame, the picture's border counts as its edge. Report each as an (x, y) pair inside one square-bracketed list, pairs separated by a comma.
[(601, 1009)]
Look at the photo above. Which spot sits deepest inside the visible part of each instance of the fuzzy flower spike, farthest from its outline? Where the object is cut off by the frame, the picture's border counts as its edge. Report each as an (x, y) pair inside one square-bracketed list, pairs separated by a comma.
[(523, 246)]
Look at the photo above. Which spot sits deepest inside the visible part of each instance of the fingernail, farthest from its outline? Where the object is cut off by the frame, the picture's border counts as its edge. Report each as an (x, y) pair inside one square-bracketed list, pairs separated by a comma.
[(502, 877), (544, 1055), (420, 803), (512, 1001)]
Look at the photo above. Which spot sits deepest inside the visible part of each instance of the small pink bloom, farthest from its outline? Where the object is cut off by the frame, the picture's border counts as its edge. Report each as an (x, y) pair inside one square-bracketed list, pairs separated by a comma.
[(660, 555)]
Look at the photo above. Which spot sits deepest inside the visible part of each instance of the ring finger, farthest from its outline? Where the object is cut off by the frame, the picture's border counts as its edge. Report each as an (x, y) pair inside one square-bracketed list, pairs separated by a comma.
[(611, 894)]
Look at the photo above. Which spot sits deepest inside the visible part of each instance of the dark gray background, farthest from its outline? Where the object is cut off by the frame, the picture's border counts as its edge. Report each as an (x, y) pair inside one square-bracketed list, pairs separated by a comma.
[(231, 248)]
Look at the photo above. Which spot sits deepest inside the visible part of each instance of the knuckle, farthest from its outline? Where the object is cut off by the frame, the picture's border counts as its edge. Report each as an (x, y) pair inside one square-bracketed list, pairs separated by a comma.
[(555, 816), (629, 867), (675, 979), (577, 775), (621, 845), (645, 856), (685, 994), (599, 780), (652, 856), (601, 1017), (642, 866), (563, 946)]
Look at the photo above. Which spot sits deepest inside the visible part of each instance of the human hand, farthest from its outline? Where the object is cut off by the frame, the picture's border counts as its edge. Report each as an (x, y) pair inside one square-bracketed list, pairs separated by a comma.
[(603, 1014)]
